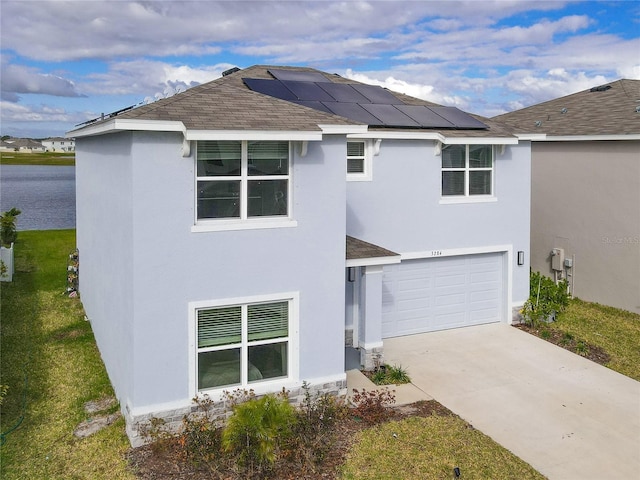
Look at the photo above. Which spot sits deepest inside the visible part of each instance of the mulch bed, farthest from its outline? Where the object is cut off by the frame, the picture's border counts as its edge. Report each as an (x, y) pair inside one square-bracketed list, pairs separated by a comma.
[(165, 462), (577, 346)]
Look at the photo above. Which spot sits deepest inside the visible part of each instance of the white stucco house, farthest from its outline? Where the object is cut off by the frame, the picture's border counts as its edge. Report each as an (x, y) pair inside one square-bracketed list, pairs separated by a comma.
[(585, 193), (59, 144), (242, 233)]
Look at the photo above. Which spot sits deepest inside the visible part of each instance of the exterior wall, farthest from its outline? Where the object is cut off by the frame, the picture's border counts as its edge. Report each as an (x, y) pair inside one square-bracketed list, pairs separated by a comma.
[(104, 219), (400, 209), (174, 266), (586, 200)]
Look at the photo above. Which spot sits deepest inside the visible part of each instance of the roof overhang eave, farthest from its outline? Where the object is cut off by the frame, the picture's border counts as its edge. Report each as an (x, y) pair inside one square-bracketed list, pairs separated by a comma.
[(364, 262), (120, 125), (437, 136), (588, 138)]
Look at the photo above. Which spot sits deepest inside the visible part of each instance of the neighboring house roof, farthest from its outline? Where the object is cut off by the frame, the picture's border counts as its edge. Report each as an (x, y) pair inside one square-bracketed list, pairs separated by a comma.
[(227, 103), (610, 109), (361, 253), (22, 143)]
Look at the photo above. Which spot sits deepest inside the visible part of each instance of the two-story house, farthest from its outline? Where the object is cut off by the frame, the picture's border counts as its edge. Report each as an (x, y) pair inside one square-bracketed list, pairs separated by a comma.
[(241, 233), (585, 190)]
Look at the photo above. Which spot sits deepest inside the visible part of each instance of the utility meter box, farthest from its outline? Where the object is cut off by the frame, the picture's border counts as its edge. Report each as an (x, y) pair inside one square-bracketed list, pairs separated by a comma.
[(557, 259)]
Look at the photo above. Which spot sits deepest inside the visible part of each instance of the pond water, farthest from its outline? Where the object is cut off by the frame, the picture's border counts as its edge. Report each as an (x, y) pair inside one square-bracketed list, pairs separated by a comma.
[(45, 194)]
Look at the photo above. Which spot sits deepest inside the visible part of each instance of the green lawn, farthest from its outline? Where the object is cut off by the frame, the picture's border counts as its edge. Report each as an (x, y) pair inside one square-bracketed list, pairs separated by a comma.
[(614, 330), (43, 158), (52, 367)]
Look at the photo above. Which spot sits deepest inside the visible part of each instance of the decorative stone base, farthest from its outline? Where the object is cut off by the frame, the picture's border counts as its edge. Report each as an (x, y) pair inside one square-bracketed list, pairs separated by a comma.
[(140, 428), (348, 337), (371, 358)]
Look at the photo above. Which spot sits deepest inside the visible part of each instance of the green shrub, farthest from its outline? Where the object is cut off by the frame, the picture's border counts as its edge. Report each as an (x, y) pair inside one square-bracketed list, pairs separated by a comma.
[(389, 374), (8, 232), (546, 299), (257, 428)]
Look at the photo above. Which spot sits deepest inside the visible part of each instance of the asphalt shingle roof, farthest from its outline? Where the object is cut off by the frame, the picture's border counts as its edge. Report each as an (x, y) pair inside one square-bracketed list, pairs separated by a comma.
[(359, 249), (228, 104), (605, 111)]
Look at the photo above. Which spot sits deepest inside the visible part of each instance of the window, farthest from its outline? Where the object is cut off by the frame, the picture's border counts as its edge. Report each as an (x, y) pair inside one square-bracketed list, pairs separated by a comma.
[(467, 170), (242, 180), (358, 161), (243, 344)]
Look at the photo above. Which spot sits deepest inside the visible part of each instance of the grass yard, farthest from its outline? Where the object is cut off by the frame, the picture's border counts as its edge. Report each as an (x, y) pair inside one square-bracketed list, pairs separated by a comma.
[(616, 331), (42, 158), (431, 447), (52, 367)]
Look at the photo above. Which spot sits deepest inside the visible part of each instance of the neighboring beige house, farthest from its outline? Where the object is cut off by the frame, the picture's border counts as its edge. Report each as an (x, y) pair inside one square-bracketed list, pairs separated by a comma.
[(24, 145), (59, 144), (585, 195)]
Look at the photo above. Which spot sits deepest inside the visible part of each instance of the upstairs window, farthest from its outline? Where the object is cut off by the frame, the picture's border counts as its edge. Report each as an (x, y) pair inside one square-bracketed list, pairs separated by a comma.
[(358, 161), (467, 170), (242, 179)]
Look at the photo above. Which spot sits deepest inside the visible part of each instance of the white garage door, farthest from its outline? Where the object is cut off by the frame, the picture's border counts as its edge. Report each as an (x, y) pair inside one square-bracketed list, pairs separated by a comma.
[(439, 293)]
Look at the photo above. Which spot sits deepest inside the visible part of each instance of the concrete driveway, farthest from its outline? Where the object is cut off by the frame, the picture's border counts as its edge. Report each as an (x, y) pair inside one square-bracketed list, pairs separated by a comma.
[(566, 416)]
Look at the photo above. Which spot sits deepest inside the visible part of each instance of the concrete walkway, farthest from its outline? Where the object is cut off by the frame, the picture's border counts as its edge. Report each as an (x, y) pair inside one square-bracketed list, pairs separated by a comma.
[(566, 416)]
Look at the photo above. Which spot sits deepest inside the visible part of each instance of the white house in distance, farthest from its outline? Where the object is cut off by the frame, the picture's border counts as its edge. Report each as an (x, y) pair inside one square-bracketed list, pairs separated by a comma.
[(59, 144), (585, 194), (242, 233)]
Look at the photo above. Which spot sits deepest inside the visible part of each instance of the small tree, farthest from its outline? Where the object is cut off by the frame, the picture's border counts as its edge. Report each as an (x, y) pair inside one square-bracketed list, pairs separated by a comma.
[(8, 232)]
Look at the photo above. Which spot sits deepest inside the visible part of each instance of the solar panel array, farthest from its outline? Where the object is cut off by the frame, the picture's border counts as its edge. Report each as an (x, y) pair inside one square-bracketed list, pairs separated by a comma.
[(368, 104)]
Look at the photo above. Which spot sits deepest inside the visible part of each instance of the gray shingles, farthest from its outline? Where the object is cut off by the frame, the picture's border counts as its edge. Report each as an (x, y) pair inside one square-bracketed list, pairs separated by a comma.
[(607, 112), (359, 249)]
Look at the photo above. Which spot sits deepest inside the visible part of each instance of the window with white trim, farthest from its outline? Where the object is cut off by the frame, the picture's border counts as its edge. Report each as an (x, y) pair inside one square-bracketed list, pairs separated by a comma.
[(467, 170), (242, 179), (238, 345), (358, 160)]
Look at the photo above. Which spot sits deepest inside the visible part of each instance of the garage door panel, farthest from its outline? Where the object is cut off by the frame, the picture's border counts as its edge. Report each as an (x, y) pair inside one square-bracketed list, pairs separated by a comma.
[(440, 293)]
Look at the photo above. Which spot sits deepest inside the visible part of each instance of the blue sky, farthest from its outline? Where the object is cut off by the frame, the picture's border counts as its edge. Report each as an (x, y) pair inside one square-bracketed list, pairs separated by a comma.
[(64, 62)]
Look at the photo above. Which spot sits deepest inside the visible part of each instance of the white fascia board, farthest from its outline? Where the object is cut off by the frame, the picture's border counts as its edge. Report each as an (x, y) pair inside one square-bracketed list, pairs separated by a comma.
[(123, 124), (591, 138), (342, 129), (365, 262), (534, 137), (480, 140), (416, 135), (253, 135)]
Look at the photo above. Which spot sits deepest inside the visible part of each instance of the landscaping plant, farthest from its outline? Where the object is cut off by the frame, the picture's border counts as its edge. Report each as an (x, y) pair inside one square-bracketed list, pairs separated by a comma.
[(255, 431), (371, 406), (8, 232), (546, 299)]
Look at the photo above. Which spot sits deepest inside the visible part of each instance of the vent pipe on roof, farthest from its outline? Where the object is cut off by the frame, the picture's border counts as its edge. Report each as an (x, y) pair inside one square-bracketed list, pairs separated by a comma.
[(230, 71), (601, 88)]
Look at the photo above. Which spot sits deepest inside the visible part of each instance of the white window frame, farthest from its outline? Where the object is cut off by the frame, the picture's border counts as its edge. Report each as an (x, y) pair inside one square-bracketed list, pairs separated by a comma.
[(466, 197), (259, 386), (367, 174), (244, 222)]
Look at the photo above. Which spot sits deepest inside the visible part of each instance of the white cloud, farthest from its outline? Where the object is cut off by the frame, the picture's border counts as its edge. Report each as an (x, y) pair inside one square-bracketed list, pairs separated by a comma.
[(19, 79), (12, 112), (146, 77)]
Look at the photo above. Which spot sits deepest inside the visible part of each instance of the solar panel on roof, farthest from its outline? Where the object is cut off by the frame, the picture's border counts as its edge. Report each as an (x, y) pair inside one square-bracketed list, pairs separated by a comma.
[(273, 88), (425, 116), (390, 115), (297, 75), (353, 111), (313, 104), (376, 94), (307, 91), (459, 118), (343, 92)]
